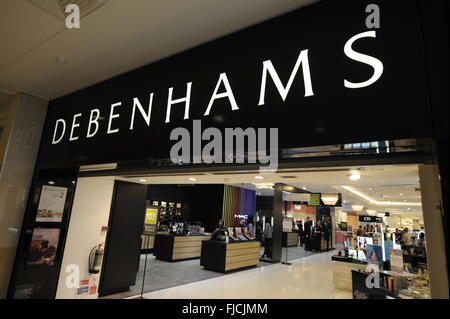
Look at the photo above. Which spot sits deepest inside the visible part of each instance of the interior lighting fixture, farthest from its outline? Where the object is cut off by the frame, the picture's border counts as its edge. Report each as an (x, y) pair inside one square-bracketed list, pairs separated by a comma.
[(355, 177), (377, 202)]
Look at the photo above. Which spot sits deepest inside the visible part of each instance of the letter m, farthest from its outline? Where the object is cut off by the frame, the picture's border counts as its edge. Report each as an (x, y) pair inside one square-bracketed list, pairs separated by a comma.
[(268, 67), (251, 308)]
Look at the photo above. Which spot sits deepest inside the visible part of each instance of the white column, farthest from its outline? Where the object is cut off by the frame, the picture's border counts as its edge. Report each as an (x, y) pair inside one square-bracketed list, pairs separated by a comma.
[(434, 230)]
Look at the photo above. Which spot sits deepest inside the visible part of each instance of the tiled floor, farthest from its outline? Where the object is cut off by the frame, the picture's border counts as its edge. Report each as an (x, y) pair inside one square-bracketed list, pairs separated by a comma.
[(162, 274), (308, 277)]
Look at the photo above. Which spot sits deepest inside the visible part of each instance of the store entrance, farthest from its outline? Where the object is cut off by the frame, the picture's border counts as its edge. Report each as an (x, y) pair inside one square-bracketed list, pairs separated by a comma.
[(206, 225)]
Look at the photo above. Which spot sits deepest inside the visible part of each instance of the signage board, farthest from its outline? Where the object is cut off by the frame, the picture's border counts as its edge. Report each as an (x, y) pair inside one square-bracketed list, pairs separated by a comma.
[(314, 199), (151, 220), (370, 219), (267, 76)]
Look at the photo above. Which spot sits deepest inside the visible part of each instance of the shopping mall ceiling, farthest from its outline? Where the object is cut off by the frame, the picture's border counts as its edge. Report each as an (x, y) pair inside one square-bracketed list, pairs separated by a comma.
[(393, 188), (42, 57)]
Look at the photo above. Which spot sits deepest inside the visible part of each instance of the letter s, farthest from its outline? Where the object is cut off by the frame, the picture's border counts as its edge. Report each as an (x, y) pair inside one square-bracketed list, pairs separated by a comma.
[(373, 62)]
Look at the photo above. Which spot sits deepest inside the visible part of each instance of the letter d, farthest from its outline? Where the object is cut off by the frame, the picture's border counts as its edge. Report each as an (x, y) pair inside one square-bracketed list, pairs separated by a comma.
[(54, 141)]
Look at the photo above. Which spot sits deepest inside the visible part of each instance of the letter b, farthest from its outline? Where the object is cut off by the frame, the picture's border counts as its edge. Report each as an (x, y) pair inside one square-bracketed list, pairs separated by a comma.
[(93, 121)]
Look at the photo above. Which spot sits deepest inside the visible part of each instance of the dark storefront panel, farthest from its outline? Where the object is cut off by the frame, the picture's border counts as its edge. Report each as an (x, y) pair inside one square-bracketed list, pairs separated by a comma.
[(395, 106), (121, 263)]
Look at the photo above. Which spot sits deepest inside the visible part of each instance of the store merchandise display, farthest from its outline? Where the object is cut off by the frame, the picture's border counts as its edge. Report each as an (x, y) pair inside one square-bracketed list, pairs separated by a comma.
[(247, 234), (239, 234), (402, 267), (232, 236), (195, 230)]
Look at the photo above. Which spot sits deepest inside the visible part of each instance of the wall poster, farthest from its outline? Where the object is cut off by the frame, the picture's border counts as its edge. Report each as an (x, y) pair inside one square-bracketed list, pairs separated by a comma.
[(51, 204), (287, 224), (44, 243), (396, 260)]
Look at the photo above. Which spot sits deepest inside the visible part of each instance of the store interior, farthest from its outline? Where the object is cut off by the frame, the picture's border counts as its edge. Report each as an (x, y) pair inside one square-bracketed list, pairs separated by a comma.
[(343, 210)]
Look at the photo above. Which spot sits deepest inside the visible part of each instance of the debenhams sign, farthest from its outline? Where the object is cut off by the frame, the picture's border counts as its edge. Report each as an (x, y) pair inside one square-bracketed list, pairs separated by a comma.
[(69, 129)]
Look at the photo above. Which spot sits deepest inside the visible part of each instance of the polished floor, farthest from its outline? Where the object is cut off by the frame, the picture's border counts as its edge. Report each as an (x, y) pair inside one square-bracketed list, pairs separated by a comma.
[(306, 278), (161, 274)]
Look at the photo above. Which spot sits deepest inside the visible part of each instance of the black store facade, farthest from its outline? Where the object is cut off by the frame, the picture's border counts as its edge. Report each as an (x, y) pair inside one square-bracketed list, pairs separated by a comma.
[(318, 74)]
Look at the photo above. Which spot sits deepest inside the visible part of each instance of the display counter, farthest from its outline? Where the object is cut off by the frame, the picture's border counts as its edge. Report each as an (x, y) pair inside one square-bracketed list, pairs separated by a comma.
[(176, 248), (223, 257), (147, 242), (342, 271), (398, 285), (361, 291), (290, 239)]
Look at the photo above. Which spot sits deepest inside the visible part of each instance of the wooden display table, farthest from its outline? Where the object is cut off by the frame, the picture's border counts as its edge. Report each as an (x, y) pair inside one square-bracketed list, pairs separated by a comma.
[(175, 248), (290, 239), (223, 257), (342, 271)]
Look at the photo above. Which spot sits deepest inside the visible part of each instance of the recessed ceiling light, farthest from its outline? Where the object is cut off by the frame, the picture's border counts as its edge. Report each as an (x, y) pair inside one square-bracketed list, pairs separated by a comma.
[(259, 177), (354, 177), (51, 182), (304, 188), (192, 179), (370, 188), (60, 60), (402, 194), (142, 180)]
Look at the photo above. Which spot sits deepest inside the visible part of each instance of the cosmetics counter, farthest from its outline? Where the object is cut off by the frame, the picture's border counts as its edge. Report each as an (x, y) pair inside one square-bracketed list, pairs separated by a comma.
[(230, 248), (170, 247), (290, 239), (402, 273), (222, 256)]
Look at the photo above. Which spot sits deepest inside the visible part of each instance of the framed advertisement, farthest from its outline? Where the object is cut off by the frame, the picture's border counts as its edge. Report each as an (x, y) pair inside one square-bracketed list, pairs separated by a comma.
[(314, 199), (396, 260), (287, 224), (43, 247), (51, 204), (151, 218)]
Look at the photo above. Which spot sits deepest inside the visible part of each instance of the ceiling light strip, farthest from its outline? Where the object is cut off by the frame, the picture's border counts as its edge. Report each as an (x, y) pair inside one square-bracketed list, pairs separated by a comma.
[(376, 202)]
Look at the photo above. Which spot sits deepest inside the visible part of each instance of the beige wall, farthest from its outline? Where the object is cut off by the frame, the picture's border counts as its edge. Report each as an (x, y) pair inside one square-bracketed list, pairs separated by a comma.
[(23, 123), (90, 211)]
